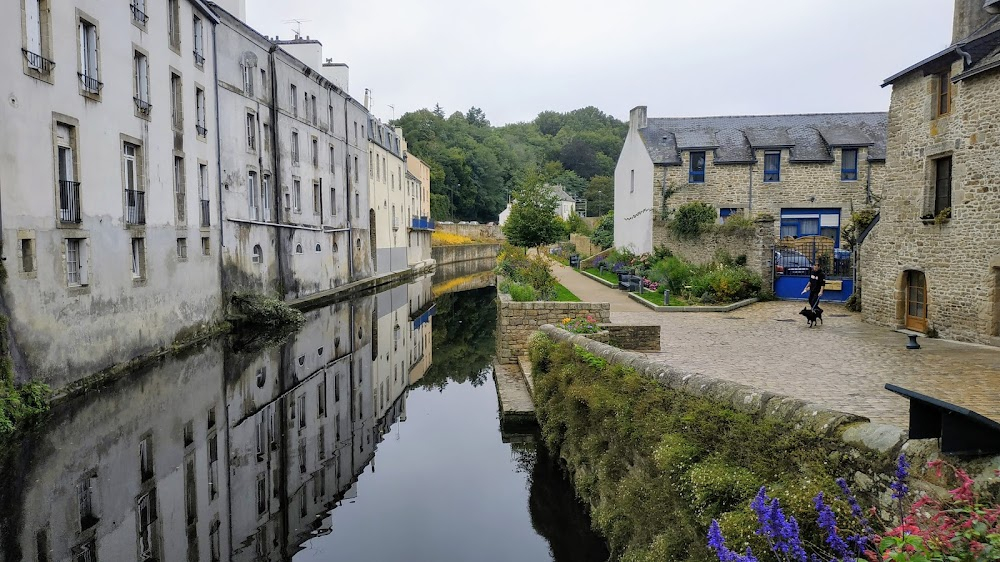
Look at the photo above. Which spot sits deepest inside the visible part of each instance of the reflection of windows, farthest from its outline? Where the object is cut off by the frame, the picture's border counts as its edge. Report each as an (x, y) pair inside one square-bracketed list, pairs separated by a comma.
[(85, 501), (145, 512), (697, 173), (258, 254)]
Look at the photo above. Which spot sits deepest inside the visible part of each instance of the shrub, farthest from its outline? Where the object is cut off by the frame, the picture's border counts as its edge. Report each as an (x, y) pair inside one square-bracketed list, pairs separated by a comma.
[(858, 223), (604, 233), (854, 302), (256, 310), (576, 224), (514, 264), (521, 292), (692, 219), (439, 238), (586, 325)]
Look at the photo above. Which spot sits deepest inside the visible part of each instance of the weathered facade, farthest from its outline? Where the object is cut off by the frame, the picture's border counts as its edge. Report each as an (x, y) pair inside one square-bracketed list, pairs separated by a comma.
[(932, 262), (807, 171), (418, 208), (110, 219), (292, 191), (386, 177)]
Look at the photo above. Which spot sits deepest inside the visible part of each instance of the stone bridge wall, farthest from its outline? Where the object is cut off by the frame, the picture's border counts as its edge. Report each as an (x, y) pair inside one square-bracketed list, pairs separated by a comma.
[(517, 320)]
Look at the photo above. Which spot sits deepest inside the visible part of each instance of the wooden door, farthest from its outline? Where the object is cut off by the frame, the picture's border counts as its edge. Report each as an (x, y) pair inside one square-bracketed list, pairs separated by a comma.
[(916, 301)]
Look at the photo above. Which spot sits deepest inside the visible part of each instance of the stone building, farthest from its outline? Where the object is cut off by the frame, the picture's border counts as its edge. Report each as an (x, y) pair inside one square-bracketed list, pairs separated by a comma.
[(418, 208), (108, 168), (386, 178), (294, 200), (808, 171), (932, 262)]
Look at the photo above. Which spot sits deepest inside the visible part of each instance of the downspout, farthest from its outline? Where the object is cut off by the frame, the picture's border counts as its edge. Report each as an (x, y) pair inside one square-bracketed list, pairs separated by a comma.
[(276, 150), (218, 142), (347, 183), (966, 56), (868, 184), (750, 192)]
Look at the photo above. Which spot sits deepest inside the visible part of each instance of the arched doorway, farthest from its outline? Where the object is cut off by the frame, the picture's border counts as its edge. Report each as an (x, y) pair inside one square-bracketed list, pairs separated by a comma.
[(916, 301)]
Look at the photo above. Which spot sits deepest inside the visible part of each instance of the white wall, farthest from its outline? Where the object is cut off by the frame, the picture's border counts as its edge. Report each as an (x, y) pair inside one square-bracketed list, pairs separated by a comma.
[(634, 197)]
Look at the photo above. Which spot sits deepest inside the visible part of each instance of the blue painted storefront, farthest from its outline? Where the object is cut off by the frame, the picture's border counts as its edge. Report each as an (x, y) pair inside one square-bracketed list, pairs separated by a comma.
[(790, 287)]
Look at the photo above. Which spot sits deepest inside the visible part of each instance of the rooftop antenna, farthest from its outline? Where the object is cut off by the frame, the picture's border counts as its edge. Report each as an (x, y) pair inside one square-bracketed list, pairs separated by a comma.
[(297, 29)]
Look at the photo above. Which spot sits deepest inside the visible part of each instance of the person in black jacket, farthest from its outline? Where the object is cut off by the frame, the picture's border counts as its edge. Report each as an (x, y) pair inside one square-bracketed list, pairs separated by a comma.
[(817, 280)]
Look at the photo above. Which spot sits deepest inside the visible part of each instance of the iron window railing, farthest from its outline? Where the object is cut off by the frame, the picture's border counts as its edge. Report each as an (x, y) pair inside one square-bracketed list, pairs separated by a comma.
[(199, 58), (90, 84), (38, 62), (205, 216), (69, 201), (143, 106), (137, 14), (135, 206), (202, 131)]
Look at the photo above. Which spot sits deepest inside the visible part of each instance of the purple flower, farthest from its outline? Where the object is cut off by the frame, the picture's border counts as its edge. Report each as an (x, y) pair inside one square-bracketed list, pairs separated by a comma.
[(717, 543), (781, 531), (899, 486), (861, 541), (828, 522)]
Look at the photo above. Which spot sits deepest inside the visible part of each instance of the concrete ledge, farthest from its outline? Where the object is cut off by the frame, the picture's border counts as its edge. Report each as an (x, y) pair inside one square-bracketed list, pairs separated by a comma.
[(604, 282), (344, 292), (658, 308)]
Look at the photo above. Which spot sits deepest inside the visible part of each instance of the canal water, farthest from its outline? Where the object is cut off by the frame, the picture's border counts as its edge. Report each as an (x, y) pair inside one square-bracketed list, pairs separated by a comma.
[(370, 435)]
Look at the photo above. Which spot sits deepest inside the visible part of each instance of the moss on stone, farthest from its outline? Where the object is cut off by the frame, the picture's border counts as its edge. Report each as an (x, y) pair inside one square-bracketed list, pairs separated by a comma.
[(656, 465)]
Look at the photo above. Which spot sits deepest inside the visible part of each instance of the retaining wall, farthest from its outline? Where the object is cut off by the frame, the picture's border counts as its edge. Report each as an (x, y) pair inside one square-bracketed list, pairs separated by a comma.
[(756, 246), (584, 246), (474, 231), (635, 338), (517, 320), (444, 255)]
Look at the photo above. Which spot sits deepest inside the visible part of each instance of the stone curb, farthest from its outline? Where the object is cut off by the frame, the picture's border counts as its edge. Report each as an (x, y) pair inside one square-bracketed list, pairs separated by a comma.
[(659, 308), (604, 282)]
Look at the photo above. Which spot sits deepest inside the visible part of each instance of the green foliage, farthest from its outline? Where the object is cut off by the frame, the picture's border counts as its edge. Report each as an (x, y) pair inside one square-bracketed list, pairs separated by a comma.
[(562, 294), (738, 223), (656, 464), (532, 221), (514, 264), (253, 309), (19, 404), (600, 195), (692, 219), (604, 233), (854, 302), (856, 225), (519, 291), (576, 225), (463, 338)]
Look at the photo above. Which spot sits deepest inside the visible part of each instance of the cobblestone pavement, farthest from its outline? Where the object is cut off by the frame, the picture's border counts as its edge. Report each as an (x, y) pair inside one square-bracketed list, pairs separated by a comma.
[(843, 364)]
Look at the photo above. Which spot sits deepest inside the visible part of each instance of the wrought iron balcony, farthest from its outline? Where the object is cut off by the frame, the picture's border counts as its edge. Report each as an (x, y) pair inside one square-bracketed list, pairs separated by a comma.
[(90, 84), (143, 106), (69, 201), (38, 62), (135, 206), (202, 131), (205, 216), (138, 15), (421, 223), (199, 58)]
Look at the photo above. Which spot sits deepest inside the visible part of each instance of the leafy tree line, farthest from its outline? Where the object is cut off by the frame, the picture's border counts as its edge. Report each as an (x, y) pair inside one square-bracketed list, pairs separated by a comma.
[(476, 166)]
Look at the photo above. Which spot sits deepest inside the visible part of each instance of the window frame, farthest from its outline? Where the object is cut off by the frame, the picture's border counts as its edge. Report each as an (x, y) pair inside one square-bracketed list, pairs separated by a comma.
[(942, 94), (198, 38), (772, 175), (695, 175), (89, 56), (37, 50), (938, 196), (138, 251), (848, 174), (251, 127), (140, 83), (174, 24), (176, 101)]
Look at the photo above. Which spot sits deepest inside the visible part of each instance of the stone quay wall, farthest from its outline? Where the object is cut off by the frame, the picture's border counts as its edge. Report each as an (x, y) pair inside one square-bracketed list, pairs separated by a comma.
[(959, 258), (444, 255), (755, 245), (635, 338), (584, 246), (474, 231), (517, 320)]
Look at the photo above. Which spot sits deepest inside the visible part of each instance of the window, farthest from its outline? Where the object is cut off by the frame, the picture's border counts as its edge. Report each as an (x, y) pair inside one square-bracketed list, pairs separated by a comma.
[(190, 492), (319, 248), (252, 196), (174, 23), (321, 448), (315, 118), (199, 41), (139, 12), (258, 254), (180, 190), (206, 246), (811, 222), (315, 152), (355, 132), (145, 459), (135, 197), (317, 198), (943, 93), (141, 90), (942, 186), (27, 255), (265, 196), (355, 170), (199, 107), (772, 166), (86, 552), (261, 492), (333, 201), (252, 132), (85, 501), (849, 164), (336, 397), (295, 147), (138, 259), (69, 189), (182, 248), (294, 97), (213, 466), (75, 262), (205, 212), (333, 166), (263, 82), (302, 469), (36, 17), (321, 399), (357, 208), (302, 411), (378, 169), (213, 542), (298, 250), (297, 196), (697, 173), (631, 182), (89, 75), (247, 80), (267, 136), (305, 104)]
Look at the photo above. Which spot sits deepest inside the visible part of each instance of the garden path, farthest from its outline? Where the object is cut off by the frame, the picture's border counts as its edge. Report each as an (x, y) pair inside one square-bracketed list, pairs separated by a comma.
[(591, 291)]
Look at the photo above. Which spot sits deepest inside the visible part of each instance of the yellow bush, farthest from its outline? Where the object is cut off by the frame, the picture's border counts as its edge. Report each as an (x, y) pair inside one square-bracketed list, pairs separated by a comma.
[(448, 239)]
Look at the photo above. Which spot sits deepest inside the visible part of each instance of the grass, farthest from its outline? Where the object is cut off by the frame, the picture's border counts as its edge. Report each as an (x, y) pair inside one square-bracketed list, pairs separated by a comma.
[(449, 239), (565, 295), (606, 275)]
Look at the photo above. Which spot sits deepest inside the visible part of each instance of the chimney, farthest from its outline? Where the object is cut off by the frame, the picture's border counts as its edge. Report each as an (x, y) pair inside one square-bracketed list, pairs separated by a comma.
[(637, 118), (970, 16)]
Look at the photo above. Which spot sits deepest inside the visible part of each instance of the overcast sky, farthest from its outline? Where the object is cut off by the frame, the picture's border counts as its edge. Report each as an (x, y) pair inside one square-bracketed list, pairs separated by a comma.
[(516, 58)]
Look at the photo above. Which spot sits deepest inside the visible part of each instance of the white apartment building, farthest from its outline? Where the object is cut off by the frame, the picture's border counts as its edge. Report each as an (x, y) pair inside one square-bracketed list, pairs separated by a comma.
[(417, 201), (387, 215), (110, 213), (295, 199)]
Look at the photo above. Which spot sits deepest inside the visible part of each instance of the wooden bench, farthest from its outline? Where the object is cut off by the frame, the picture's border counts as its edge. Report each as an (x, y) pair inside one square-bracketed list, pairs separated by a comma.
[(960, 431)]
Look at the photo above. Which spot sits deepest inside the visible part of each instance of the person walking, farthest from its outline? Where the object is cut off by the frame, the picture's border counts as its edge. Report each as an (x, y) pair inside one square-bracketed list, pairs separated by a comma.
[(817, 280)]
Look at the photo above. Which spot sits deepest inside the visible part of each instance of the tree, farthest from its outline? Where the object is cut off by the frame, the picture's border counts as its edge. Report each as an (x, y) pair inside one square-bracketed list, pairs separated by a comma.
[(438, 110), (477, 117), (600, 195), (532, 221), (604, 232)]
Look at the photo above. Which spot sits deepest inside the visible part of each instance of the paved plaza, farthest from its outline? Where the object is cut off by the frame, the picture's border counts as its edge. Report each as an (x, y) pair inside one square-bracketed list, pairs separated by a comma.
[(843, 364)]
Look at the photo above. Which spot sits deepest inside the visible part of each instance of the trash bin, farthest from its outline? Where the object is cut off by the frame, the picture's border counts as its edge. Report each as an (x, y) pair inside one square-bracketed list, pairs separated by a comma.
[(666, 297)]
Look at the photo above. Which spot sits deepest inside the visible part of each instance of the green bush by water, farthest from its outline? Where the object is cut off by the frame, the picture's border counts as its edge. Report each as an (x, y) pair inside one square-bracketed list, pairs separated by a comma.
[(656, 465)]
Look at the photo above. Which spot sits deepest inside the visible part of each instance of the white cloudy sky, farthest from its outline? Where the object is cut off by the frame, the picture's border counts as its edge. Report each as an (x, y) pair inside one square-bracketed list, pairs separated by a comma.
[(516, 58)]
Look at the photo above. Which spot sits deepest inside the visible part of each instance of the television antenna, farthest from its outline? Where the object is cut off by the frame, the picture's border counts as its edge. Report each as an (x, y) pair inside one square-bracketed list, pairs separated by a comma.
[(297, 29)]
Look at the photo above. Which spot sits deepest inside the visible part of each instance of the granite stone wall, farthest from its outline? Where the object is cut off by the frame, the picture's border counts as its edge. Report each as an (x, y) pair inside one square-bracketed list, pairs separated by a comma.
[(755, 245), (960, 258), (464, 252), (635, 338), (474, 231), (517, 320)]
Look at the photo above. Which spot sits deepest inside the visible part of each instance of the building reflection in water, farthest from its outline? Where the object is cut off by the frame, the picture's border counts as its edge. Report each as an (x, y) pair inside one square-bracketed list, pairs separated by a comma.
[(221, 454)]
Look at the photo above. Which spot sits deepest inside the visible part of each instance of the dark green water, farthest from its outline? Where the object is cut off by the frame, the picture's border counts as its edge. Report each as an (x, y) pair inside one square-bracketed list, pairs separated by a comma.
[(371, 435)]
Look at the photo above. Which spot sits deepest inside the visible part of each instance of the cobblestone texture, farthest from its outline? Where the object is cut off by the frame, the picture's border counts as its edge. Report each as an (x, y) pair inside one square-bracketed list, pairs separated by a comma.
[(843, 364)]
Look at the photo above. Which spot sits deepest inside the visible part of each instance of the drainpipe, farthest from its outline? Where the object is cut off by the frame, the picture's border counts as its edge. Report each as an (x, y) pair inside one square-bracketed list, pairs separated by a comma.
[(275, 150), (347, 184), (868, 184), (750, 192), (218, 140), (966, 56)]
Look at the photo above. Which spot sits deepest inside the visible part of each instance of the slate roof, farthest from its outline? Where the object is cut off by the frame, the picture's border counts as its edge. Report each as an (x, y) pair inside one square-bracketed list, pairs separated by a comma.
[(980, 46), (560, 193), (809, 137)]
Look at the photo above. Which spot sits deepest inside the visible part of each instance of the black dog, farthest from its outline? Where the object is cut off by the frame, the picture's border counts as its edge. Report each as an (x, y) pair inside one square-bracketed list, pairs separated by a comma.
[(812, 315)]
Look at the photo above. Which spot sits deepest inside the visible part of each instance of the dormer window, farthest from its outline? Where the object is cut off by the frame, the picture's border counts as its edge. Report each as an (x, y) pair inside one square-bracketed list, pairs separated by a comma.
[(943, 93), (697, 172)]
